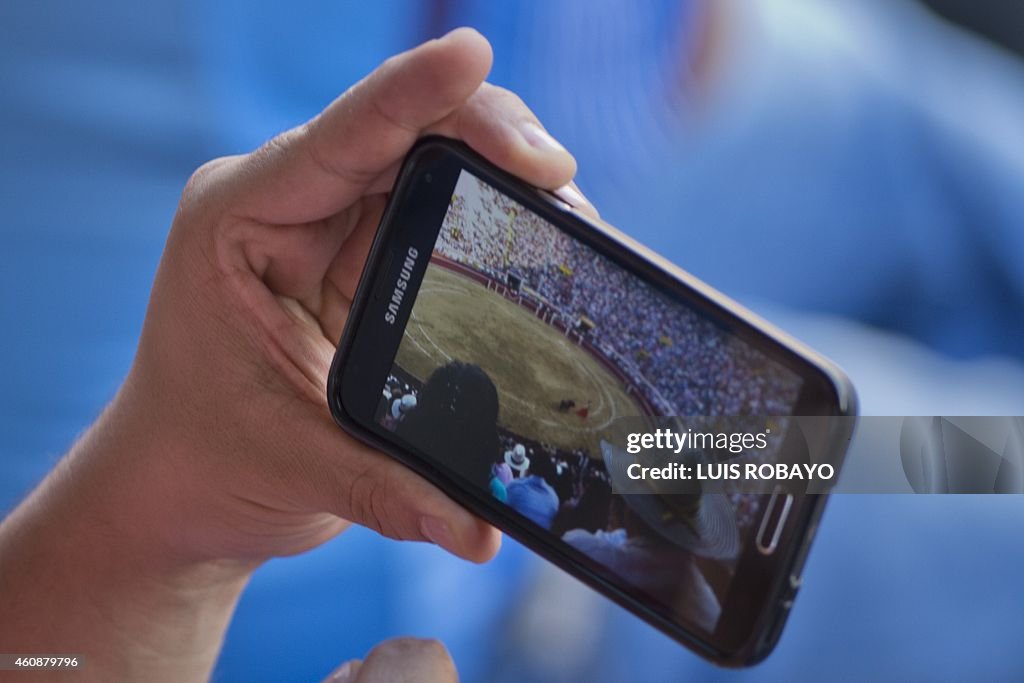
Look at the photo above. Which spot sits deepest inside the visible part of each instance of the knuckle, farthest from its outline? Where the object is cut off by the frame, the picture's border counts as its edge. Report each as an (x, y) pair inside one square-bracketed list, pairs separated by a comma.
[(201, 198), (368, 501), (202, 180)]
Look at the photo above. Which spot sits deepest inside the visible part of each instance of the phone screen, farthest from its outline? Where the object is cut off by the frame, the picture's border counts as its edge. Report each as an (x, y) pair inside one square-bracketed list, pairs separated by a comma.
[(524, 345)]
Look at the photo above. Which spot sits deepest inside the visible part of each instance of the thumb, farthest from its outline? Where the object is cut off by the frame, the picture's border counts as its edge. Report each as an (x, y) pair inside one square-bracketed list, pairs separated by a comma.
[(400, 660), (334, 473), (408, 660), (319, 168), (346, 673)]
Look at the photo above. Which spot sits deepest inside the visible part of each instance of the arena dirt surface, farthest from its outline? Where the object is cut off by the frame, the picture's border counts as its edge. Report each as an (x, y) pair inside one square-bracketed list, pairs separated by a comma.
[(531, 363)]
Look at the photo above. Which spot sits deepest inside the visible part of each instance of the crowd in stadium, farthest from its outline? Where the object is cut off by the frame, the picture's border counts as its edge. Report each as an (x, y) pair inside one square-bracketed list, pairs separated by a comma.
[(683, 364), (557, 488), (481, 230), (576, 489)]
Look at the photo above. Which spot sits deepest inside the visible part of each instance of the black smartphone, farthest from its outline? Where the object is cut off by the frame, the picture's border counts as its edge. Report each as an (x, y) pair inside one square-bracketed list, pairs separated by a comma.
[(496, 332)]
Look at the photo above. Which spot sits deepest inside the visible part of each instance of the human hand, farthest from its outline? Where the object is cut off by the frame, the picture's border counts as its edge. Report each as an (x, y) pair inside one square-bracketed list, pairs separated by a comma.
[(252, 294), (399, 660), (219, 451)]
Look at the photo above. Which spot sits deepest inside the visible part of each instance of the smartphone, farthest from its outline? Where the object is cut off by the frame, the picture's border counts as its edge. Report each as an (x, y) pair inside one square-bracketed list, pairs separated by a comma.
[(496, 332)]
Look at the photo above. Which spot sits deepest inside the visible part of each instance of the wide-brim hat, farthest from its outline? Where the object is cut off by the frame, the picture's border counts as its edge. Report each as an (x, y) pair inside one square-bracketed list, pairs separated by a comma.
[(703, 524)]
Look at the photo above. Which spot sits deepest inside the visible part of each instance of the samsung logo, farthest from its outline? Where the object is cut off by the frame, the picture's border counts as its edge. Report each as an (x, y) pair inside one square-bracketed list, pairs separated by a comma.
[(403, 284)]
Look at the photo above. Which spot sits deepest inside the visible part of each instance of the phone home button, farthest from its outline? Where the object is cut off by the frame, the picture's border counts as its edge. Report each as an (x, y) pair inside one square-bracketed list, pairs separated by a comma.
[(774, 520)]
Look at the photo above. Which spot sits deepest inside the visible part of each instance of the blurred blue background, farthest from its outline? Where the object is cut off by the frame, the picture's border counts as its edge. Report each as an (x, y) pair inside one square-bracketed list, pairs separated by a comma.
[(851, 169)]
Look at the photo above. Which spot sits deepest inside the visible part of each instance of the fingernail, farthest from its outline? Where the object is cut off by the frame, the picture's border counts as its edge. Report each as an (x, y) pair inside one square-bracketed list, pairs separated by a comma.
[(438, 531), (571, 195), (539, 139)]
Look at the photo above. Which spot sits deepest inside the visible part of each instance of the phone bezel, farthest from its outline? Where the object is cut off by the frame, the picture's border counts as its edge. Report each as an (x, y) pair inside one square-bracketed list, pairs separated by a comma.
[(365, 342)]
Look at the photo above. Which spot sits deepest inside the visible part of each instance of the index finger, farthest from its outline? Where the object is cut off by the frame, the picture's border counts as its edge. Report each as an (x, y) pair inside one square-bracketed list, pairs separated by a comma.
[(321, 167)]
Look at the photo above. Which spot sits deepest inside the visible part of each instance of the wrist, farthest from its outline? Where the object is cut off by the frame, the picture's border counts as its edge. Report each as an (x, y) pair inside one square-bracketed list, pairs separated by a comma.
[(136, 484), (90, 566)]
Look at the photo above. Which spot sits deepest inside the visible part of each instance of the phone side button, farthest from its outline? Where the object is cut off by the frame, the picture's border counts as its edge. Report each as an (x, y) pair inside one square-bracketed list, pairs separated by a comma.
[(774, 520)]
